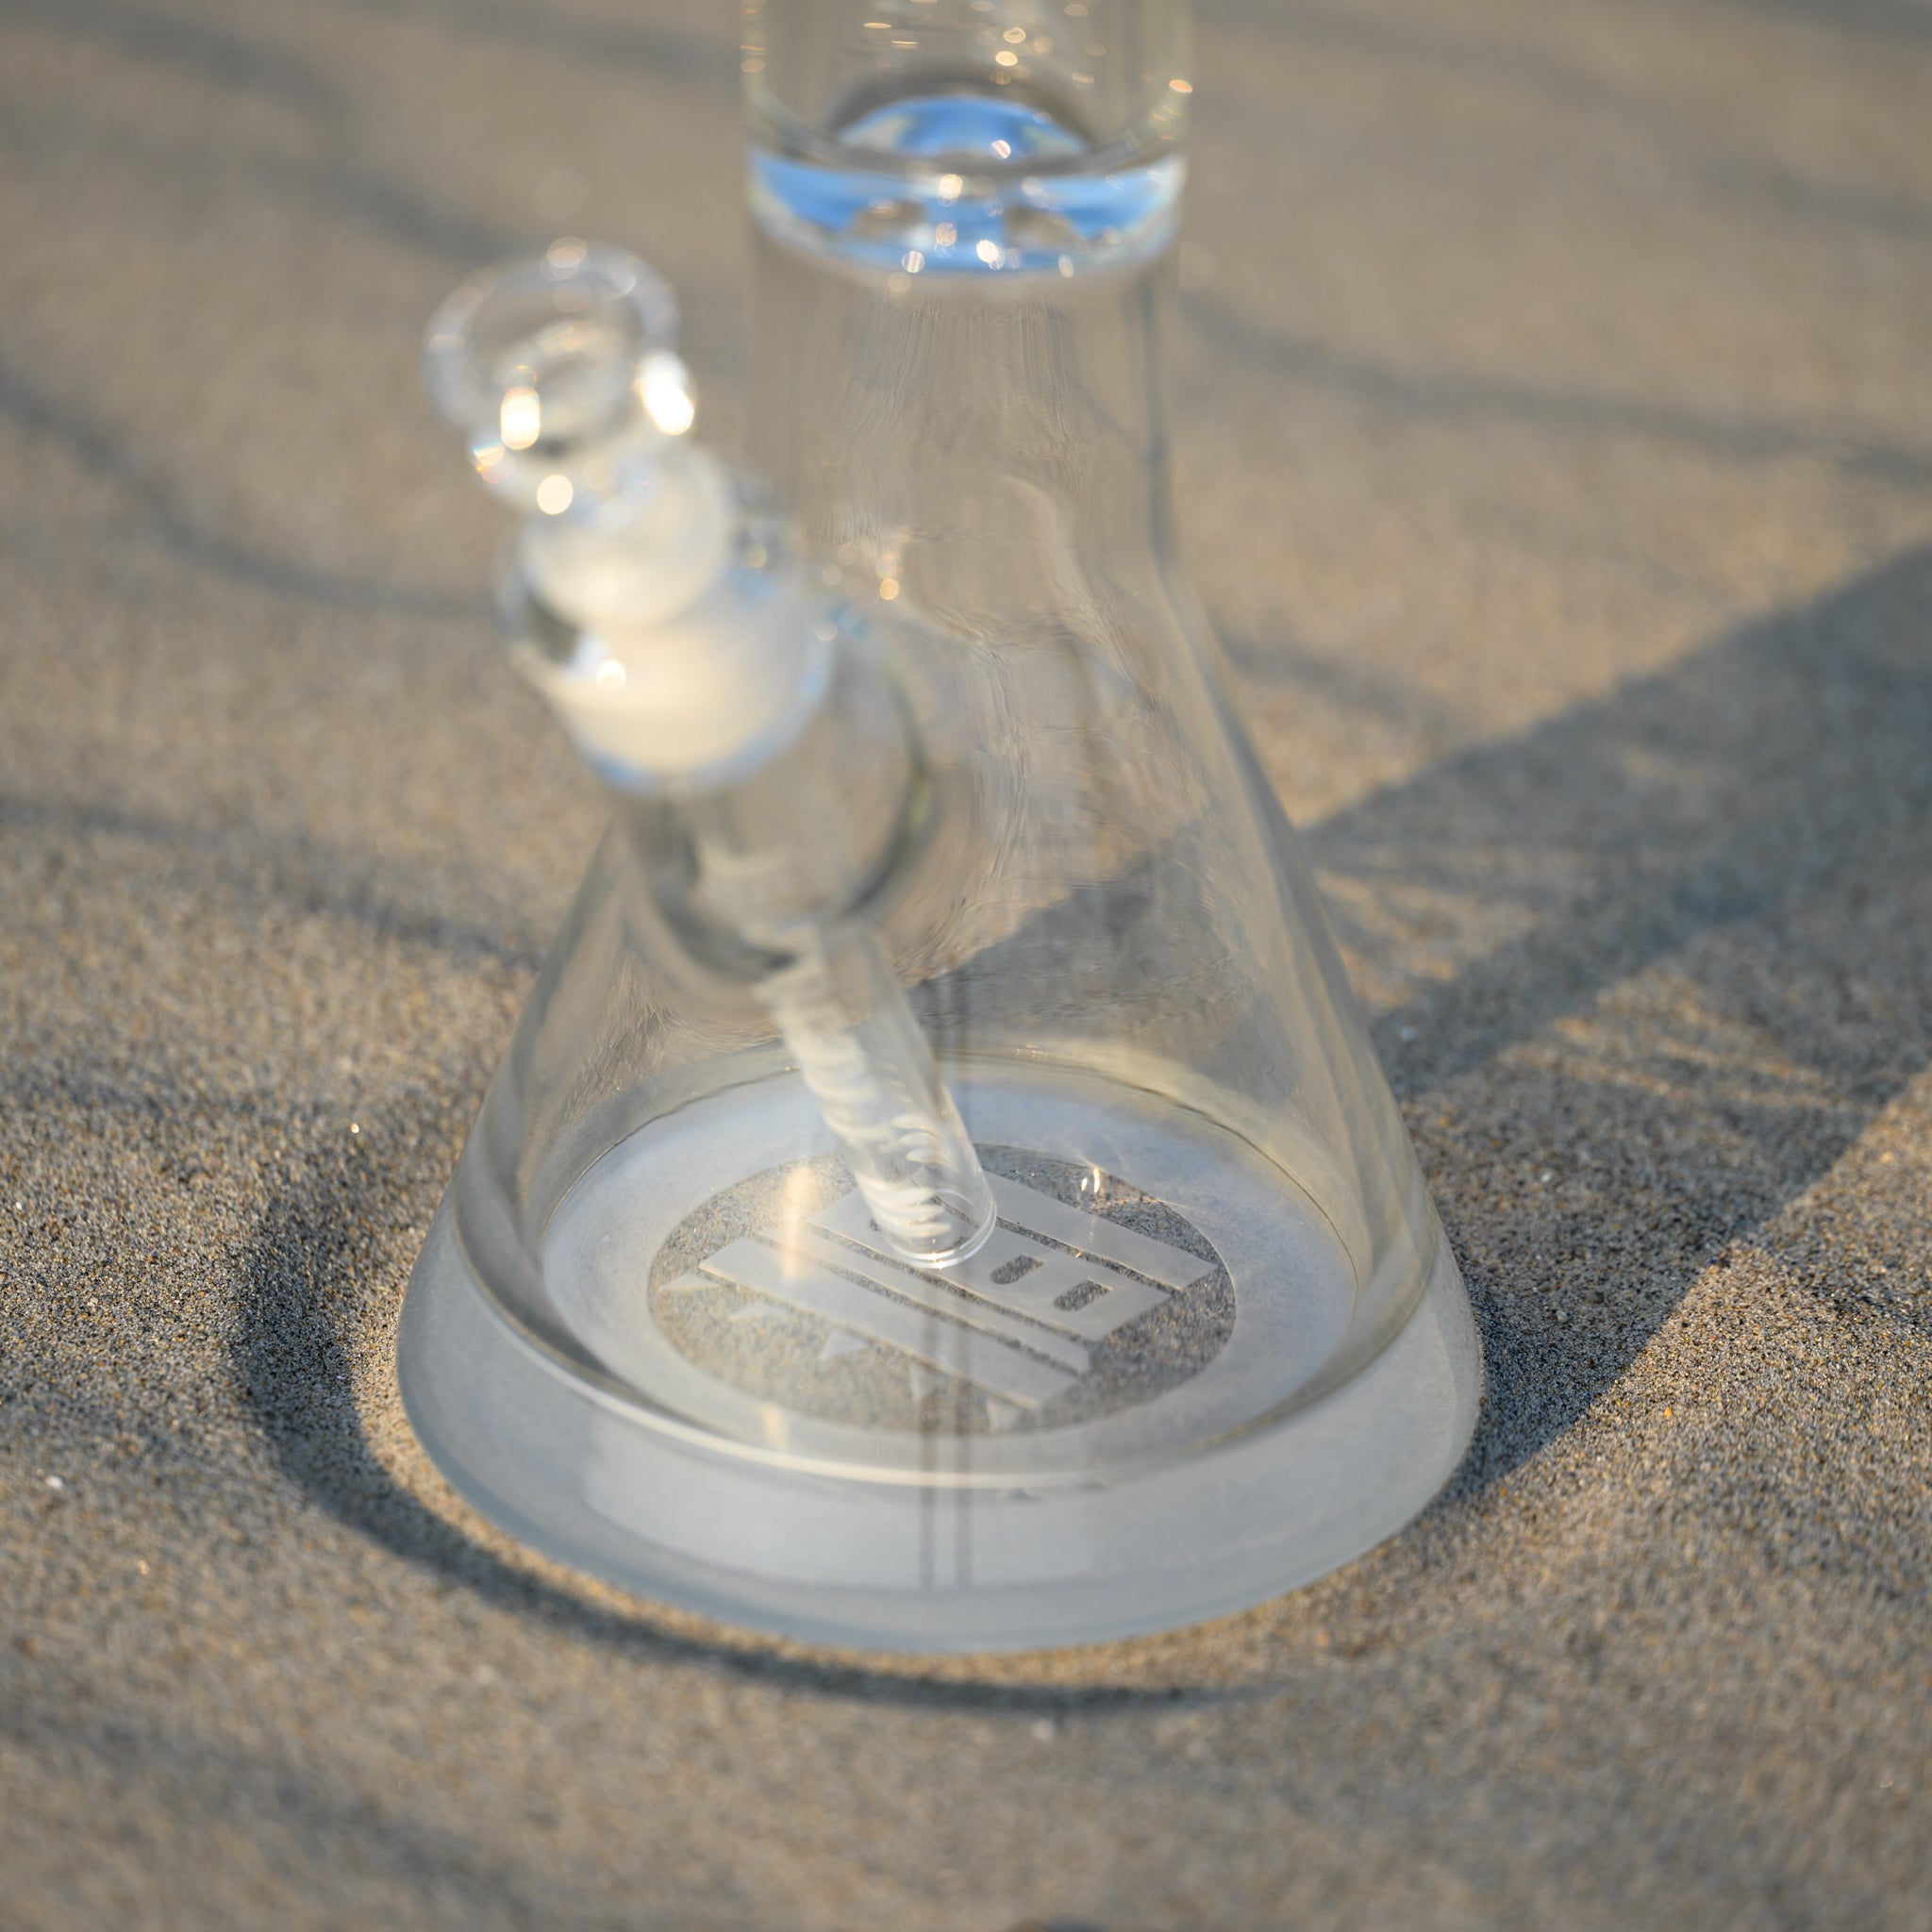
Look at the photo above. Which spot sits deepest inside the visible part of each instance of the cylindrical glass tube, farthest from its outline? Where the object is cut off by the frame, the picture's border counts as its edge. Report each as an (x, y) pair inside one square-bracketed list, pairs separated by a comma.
[(845, 1019)]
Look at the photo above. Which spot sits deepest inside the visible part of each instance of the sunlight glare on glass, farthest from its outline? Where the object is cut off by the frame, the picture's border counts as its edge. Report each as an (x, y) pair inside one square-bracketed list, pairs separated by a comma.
[(666, 389), (521, 417)]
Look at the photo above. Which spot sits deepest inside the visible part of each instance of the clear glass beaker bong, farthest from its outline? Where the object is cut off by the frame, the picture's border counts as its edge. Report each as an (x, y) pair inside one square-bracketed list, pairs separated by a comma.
[(942, 1193)]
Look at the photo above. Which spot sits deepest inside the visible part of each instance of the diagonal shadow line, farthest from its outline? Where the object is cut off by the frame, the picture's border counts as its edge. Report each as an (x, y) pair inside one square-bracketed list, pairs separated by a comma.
[(341, 185), (1416, 39), (635, 45), (1449, 396), (228, 60), (96, 448), (383, 206), (1906, 21), (1349, 682), (306, 873), (1768, 773), (1553, 81), (1728, 790), (1843, 205)]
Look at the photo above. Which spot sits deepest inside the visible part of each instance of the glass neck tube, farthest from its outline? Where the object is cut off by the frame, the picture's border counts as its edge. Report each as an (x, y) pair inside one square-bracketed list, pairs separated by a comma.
[(964, 209)]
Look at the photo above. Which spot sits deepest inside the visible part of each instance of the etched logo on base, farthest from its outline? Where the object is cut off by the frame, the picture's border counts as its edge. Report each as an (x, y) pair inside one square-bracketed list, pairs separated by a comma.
[(1089, 1295)]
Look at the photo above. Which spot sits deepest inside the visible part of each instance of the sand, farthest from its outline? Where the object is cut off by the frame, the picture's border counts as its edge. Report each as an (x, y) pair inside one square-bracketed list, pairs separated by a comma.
[(1556, 443)]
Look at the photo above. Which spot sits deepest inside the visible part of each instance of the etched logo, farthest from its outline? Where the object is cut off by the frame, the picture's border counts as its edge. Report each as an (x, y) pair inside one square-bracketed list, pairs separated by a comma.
[(1061, 1302)]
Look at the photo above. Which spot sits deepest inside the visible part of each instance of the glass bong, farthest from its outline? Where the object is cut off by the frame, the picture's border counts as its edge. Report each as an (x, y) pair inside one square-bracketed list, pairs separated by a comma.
[(941, 1193)]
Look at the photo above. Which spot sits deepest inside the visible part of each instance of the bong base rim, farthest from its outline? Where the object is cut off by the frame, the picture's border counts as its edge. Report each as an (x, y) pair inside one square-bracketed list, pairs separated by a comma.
[(554, 1462)]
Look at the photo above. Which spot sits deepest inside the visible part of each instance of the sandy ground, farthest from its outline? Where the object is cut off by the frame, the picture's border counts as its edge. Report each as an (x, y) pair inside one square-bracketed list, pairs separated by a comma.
[(1556, 427)]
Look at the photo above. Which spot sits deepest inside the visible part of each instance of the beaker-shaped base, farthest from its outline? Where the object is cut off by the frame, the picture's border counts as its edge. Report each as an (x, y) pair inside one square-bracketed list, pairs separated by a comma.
[(1137, 1407)]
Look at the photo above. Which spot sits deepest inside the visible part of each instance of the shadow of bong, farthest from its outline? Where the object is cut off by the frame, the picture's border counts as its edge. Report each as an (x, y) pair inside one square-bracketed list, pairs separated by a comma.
[(1647, 970)]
